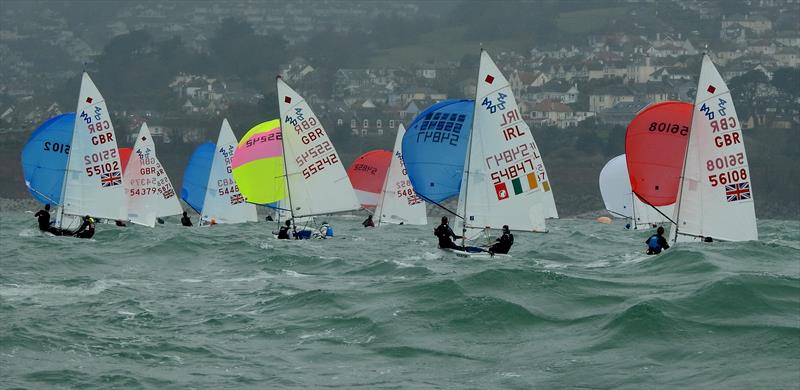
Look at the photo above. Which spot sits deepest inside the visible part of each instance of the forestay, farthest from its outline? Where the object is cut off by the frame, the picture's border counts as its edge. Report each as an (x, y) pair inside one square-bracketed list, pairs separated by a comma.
[(44, 158), (317, 182), (435, 148), (716, 196), (399, 202), (505, 181), (258, 164), (93, 184), (150, 192)]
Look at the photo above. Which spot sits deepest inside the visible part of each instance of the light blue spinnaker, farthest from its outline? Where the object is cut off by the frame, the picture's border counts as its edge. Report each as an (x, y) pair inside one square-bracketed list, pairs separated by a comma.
[(45, 156), (435, 146), (195, 177)]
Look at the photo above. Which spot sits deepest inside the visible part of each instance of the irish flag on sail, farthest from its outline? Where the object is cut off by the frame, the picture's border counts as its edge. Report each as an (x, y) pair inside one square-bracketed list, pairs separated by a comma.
[(93, 183), (715, 197), (150, 192), (505, 181)]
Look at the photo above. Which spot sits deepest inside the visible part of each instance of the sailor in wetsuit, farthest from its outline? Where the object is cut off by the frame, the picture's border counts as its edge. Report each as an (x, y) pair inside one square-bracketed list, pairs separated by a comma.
[(368, 222), (44, 218), (503, 244), (656, 243), (87, 228), (443, 233), (283, 232), (185, 220)]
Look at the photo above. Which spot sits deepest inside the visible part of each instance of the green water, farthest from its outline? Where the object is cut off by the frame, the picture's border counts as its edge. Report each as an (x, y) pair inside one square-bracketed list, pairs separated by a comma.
[(231, 307)]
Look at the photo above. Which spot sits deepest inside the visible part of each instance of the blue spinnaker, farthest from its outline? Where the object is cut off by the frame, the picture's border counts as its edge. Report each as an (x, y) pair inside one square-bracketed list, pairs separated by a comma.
[(195, 177), (45, 157), (435, 146)]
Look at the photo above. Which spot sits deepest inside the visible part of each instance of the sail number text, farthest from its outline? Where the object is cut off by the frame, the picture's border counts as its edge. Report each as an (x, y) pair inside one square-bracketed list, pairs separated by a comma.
[(728, 177), (318, 166), (56, 147), (668, 128)]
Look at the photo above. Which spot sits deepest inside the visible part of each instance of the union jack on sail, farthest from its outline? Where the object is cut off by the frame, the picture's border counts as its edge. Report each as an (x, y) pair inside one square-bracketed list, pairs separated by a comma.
[(738, 191), (110, 179)]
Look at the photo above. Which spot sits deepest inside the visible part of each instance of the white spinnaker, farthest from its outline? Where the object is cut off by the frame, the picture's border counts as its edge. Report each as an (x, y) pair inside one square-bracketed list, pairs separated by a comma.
[(150, 192), (715, 197), (93, 184), (398, 202), (223, 202), (615, 187), (505, 182), (317, 181)]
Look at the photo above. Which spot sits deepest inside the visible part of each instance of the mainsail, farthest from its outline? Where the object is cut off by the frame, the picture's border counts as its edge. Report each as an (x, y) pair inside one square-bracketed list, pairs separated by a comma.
[(715, 198), (316, 180), (150, 192), (368, 174), (505, 181), (258, 164), (93, 184), (398, 202), (217, 197), (44, 158)]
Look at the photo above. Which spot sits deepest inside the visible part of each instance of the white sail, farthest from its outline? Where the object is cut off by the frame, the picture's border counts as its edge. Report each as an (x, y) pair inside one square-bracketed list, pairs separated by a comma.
[(398, 202), (150, 192), (317, 181), (615, 188), (93, 184), (505, 181), (223, 202), (715, 198)]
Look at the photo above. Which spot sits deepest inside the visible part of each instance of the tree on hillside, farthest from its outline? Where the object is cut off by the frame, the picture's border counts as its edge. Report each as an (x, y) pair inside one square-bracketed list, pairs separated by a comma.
[(787, 80), (236, 50)]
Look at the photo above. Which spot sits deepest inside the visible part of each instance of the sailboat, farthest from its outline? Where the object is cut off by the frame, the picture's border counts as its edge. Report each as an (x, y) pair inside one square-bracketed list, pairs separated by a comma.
[(715, 196), (621, 201), (316, 181), (398, 202), (208, 186), (93, 179), (504, 181), (150, 192)]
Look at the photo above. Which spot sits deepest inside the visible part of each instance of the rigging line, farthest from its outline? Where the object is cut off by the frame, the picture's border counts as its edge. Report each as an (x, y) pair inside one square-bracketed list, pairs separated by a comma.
[(654, 208)]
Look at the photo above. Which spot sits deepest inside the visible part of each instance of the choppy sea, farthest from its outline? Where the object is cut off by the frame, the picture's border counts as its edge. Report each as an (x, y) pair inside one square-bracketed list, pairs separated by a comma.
[(231, 307)]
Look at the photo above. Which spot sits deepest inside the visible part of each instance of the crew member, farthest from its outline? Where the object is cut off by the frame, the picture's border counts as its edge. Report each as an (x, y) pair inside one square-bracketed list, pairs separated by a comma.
[(185, 220), (44, 218), (444, 233), (87, 228), (503, 244), (656, 243), (368, 222), (283, 232)]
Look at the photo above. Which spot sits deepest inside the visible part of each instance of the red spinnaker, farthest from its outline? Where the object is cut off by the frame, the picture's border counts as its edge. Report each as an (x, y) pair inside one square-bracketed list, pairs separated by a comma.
[(367, 175), (655, 145), (124, 156)]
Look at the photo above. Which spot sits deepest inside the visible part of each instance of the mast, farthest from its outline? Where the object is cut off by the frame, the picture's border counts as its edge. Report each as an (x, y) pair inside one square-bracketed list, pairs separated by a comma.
[(469, 155), (685, 158), (286, 171)]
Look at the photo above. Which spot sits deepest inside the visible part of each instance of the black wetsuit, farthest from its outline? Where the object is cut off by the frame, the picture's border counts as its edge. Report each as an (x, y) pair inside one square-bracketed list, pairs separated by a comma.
[(186, 221), (44, 220), (368, 222), (283, 233), (443, 233), (655, 244), (503, 244), (85, 231)]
